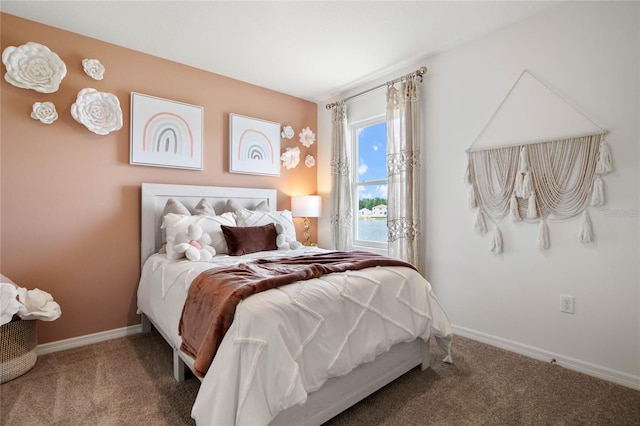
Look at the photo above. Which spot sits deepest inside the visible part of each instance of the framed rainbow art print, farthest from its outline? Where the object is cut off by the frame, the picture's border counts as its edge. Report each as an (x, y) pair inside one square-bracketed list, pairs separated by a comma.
[(254, 146), (165, 133)]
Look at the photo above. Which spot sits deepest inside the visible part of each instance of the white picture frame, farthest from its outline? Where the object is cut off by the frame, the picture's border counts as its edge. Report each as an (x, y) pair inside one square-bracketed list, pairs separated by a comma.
[(165, 133), (254, 146)]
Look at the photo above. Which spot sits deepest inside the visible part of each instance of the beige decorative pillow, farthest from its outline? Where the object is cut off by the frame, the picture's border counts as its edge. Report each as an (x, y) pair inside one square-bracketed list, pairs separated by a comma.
[(233, 206), (203, 208), (175, 206)]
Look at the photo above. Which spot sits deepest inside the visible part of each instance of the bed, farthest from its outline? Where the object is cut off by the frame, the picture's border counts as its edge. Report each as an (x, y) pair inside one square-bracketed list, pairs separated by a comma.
[(282, 372)]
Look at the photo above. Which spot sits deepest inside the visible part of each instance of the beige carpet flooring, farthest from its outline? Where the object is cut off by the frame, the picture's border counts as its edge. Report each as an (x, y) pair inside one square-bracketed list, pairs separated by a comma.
[(128, 381)]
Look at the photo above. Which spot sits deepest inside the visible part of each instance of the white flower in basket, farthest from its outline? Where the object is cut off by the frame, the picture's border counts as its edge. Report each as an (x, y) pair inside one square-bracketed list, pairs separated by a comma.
[(9, 303), (19, 308), (27, 304)]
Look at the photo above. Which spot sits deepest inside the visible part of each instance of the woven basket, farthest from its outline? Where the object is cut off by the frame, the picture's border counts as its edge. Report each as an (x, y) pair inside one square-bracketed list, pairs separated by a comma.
[(18, 341)]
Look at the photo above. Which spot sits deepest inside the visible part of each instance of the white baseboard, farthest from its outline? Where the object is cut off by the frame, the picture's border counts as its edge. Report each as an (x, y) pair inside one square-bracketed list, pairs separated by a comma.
[(619, 377), (88, 339)]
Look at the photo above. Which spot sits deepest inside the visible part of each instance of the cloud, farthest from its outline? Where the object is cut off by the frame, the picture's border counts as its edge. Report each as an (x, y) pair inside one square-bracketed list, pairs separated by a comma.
[(376, 146), (362, 194), (382, 190), (362, 168)]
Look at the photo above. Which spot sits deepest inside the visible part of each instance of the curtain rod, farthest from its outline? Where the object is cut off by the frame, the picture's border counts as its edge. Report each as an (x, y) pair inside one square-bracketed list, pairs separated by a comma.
[(420, 72)]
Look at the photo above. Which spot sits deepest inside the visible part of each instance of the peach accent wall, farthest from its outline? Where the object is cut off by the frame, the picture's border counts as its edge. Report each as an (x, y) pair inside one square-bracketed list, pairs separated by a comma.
[(70, 201)]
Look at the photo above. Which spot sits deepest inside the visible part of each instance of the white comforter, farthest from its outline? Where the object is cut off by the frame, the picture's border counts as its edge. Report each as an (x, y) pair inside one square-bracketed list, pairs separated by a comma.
[(286, 342)]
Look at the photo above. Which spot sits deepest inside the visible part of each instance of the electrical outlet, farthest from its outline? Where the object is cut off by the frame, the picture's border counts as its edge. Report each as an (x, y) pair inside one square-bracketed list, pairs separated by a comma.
[(567, 303)]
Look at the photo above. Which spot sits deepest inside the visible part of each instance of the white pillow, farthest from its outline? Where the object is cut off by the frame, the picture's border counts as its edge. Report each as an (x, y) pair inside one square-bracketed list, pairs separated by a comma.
[(246, 217), (177, 223)]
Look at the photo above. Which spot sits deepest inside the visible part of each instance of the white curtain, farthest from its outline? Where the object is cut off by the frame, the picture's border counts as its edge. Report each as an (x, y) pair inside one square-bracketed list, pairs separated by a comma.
[(341, 199), (403, 169)]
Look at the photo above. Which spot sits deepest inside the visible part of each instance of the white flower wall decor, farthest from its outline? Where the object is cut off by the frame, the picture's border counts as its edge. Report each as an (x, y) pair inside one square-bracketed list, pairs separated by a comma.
[(290, 158), (33, 66), (99, 111), (307, 137), (287, 132), (93, 68), (45, 112), (309, 161)]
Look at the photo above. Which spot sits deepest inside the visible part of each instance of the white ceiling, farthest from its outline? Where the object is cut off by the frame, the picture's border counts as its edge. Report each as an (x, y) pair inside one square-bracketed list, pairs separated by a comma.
[(308, 49)]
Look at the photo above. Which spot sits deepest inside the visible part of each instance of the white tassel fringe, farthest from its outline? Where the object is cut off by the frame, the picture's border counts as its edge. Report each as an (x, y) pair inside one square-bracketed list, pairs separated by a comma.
[(543, 235), (605, 161), (597, 197), (585, 231), (532, 208), (473, 199), (513, 207), (527, 187), (468, 175), (517, 187), (496, 241), (480, 226)]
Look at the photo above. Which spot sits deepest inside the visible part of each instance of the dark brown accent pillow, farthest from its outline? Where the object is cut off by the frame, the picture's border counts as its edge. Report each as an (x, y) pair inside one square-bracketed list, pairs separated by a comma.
[(249, 239)]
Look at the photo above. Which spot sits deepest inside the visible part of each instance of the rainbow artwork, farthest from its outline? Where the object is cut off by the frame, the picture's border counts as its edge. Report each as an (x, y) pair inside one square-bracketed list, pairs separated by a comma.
[(169, 134), (255, 145)]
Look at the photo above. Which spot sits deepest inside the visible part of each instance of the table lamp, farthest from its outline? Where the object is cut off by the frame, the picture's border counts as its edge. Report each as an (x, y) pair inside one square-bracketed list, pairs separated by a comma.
[(306, 206)]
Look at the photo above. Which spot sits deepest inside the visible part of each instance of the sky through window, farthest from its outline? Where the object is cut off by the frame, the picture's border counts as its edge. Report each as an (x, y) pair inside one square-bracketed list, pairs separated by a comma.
[(372, 149)]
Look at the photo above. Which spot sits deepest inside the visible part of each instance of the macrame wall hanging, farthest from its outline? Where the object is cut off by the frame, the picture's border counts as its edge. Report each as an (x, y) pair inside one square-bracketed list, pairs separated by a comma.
[(549, 179)]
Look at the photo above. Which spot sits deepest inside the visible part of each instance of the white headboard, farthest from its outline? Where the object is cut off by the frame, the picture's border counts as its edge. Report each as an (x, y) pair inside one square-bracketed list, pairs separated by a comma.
[(155, 196)]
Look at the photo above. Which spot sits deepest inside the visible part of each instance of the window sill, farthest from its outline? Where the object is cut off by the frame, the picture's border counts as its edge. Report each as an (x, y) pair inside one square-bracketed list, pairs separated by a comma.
[(377, 250)]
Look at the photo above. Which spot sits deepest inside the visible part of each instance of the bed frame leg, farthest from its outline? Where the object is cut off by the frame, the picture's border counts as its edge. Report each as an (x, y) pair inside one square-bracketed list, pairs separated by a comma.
[(146, 324), (179, 367), (426, 355)]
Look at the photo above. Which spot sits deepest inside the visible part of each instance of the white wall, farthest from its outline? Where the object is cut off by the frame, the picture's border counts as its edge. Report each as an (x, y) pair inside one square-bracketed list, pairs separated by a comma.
[(589, 53)]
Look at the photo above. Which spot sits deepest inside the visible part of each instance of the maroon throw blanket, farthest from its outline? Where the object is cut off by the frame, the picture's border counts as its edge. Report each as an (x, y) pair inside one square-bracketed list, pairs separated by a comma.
[(214, 294)]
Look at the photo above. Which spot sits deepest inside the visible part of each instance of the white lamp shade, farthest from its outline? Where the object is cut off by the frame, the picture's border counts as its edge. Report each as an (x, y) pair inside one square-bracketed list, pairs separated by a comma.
[(306, 205)]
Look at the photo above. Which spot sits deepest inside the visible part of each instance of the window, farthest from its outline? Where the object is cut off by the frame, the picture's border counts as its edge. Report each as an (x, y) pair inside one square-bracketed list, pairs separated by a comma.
[(370, 182)]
